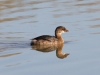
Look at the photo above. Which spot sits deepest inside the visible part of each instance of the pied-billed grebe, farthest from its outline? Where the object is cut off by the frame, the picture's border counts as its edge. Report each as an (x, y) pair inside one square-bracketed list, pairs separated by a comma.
[(47, 39)]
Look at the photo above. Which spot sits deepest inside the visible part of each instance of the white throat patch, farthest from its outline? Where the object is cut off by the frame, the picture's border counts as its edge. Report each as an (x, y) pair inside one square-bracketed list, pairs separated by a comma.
[(61, 32)]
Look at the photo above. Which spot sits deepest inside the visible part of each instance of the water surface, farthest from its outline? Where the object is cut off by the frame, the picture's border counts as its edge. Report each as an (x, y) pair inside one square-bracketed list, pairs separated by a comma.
[(21, 20)]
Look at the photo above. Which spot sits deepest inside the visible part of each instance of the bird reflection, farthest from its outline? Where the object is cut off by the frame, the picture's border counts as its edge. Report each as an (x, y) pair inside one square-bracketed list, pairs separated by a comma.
[(49, 48)]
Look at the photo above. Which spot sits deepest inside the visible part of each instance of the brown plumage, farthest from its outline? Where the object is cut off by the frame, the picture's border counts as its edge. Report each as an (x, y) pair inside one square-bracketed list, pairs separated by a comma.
[(47, 39)]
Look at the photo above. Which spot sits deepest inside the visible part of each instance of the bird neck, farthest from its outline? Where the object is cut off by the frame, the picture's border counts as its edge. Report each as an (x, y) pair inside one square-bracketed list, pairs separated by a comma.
[(59, 37)]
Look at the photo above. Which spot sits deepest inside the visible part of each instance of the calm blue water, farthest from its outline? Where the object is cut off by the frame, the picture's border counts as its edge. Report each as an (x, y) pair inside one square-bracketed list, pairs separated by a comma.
[(22, 20)]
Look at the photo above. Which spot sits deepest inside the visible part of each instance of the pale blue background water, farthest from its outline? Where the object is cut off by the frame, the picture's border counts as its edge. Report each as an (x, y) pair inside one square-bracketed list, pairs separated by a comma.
[(22, 20)]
